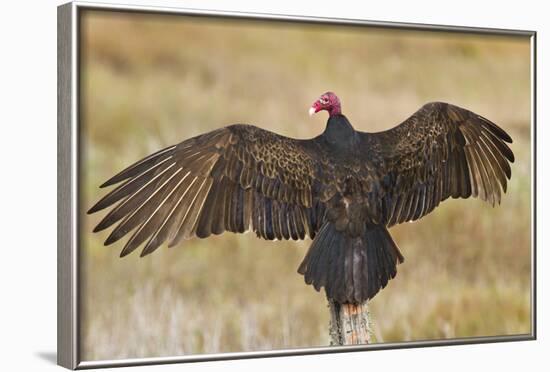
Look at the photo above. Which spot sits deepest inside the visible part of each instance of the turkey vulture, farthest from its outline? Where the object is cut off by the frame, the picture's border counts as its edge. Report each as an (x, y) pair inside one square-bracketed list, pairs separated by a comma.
[(343, 189)]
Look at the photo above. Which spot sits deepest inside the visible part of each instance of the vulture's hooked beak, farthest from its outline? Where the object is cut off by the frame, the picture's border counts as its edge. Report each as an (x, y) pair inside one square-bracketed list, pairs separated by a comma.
[(316, 107)]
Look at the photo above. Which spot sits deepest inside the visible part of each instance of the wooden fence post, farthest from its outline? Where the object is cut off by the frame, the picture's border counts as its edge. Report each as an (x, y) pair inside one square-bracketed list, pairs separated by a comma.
[(349, 324)]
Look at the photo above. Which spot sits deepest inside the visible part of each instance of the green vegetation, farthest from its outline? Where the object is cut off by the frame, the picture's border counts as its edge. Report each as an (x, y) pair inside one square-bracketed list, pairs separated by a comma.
[(152, 81)]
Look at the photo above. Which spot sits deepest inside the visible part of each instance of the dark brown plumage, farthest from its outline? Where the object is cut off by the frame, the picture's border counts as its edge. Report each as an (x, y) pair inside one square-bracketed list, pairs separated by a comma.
[(343, 189)]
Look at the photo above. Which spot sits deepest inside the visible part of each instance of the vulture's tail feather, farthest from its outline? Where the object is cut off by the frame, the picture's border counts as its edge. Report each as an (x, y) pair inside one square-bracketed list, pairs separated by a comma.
[(352, 269)]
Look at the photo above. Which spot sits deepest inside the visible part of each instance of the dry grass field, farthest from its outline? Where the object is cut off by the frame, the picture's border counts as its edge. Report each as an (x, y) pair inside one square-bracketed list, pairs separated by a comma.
[(152, 81)]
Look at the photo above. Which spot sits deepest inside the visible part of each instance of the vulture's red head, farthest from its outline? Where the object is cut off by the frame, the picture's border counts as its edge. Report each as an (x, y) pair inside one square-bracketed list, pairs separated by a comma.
[(329, 102)]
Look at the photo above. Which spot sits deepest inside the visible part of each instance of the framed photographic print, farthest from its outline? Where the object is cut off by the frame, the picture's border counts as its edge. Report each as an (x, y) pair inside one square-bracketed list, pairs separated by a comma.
[(235, 185)]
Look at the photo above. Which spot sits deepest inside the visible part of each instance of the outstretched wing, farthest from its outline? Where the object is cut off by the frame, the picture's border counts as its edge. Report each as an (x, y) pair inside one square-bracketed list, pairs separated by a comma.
[(441, 151), (230, 179)]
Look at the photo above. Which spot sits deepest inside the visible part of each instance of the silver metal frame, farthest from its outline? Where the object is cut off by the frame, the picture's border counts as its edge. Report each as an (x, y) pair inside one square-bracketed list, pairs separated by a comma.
[(68, 186)]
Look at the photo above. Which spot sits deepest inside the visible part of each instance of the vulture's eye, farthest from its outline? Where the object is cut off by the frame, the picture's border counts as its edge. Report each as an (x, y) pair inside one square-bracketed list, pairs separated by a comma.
[(323, 100)]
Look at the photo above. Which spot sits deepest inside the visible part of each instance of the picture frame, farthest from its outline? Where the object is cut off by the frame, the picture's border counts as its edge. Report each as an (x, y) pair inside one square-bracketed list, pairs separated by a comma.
[(69, 170)]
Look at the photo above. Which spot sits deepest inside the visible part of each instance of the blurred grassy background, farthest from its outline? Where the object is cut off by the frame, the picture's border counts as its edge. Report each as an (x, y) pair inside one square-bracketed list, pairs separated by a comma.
[(149, 81)]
